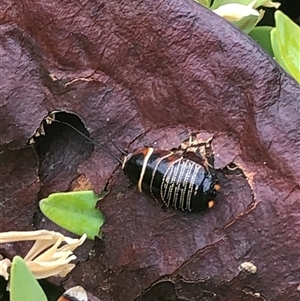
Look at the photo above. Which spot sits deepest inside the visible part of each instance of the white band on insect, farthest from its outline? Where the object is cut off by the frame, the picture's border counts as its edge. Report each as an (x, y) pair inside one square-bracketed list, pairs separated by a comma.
[(146, 159)]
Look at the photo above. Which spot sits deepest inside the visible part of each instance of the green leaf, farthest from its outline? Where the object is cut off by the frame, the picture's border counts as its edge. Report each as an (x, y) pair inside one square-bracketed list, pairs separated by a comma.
[(254, 4), (205, 3), (74, 211), (218, 3), (243, 17), (23, 285), (247, 23), (262, 36), (285, 44), (267, 3)]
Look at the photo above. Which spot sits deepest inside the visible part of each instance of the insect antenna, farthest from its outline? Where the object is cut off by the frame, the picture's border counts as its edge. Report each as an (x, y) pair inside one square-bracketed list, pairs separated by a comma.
[(94, 142), (122, 151)]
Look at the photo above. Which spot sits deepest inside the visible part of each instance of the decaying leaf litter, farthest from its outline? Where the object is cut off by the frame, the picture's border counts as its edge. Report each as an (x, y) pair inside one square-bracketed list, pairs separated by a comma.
[(162, 88)]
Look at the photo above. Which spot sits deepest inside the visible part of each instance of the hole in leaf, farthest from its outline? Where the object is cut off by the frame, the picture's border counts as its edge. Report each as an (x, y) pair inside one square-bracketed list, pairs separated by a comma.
[(60, 151)]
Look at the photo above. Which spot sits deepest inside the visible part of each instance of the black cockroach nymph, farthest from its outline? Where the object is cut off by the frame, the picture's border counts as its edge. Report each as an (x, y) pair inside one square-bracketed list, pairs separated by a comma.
[(171, 179), (168, 177)]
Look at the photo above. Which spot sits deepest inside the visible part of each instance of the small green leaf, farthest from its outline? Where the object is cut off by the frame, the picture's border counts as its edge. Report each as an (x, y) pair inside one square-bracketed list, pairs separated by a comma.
[(242, 16), (23, 285), (218, 3), (205, 3), (267, 3), (261, 34), (74, 211), (285, 43), (252, 3), (247, 23)]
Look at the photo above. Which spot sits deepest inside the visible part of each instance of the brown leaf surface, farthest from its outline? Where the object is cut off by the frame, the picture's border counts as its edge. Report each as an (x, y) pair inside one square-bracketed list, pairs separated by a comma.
[(151, 72)]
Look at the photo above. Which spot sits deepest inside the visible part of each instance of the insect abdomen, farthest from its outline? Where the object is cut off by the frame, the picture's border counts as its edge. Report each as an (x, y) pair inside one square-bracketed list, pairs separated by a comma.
[(185, 186), (171, 179)]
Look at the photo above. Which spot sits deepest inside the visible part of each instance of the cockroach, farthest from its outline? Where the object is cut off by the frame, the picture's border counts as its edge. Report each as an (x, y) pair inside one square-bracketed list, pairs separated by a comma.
[(168, 177)]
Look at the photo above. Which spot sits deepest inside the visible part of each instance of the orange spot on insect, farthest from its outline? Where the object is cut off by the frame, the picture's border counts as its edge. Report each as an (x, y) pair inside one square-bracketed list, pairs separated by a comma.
[(217, 187), (211, 204), (63, 298)]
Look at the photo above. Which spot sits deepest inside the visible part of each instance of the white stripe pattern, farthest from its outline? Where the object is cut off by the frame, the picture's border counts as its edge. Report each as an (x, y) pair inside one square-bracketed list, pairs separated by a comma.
[(146, 159)]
